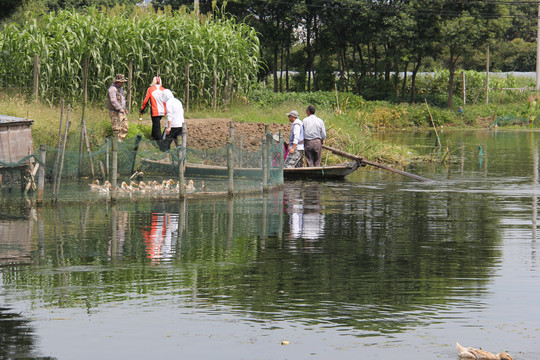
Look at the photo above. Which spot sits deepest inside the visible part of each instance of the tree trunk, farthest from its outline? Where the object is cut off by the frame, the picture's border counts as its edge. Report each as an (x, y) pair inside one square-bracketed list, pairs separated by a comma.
[(308, 52), (404, 83), (287, 68), (413, 77), (276, 55), (451, 78)]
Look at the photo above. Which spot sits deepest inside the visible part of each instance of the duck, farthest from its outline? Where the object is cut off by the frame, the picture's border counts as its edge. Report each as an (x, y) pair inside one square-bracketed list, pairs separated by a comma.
[(190, 187), (95, 185), (472, 353), (106, 186)]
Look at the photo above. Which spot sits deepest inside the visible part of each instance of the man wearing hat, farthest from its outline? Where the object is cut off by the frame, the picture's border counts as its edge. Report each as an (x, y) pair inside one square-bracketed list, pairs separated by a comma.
[(116, 103), (295, 156)]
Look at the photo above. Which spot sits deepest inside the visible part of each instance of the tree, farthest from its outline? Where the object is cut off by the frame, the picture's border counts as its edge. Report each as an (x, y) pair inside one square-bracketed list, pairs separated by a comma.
[(9, 7)]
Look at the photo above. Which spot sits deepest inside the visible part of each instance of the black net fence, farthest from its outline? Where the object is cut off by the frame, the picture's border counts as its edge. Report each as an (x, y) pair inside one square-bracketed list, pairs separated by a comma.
[(147, 168)]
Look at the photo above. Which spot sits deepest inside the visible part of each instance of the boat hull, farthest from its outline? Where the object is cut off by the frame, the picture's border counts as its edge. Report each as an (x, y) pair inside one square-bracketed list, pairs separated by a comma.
[(331, 172)]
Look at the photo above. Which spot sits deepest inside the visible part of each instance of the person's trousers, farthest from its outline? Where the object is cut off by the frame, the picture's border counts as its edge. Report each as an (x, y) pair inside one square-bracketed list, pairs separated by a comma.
[(119, 124), (173, 135), (312, 152), (156, 127)]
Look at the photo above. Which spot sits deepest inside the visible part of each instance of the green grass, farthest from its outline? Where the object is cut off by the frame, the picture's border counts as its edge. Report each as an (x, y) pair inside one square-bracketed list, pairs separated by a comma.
[(350, 128)]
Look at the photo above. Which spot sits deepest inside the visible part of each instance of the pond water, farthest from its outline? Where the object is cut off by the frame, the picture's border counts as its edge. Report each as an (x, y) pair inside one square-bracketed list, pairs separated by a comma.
[(378, 266)]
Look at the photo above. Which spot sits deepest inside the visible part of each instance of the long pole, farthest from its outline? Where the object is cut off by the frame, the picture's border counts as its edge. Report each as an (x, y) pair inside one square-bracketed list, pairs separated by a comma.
[(538, 49), (41, 173), (182, 163), (381, 166), (433, 123), (36, 77), (114, 170)]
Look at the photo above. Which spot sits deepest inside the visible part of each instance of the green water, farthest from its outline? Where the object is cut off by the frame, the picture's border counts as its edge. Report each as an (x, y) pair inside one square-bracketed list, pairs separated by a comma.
[(378, 266)]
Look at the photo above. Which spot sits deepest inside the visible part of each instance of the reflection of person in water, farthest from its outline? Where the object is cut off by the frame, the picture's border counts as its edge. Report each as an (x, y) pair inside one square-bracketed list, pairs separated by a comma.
[(159, 236), (306, 218)]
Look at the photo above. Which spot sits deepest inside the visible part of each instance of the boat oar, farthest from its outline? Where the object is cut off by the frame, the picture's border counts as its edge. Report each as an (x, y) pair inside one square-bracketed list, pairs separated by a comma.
[(381, 166)]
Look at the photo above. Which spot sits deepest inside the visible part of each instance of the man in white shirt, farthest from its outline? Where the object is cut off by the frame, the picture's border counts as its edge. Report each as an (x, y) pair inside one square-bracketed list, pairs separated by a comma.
[(175, 118), (295, 156), (314, 136)]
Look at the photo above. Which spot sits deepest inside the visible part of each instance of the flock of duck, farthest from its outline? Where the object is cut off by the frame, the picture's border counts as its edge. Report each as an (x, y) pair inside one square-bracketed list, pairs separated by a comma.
[(151, 187)]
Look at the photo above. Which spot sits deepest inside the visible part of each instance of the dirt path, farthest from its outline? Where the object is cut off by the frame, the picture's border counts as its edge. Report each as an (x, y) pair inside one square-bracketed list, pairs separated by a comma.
[(213, 133)]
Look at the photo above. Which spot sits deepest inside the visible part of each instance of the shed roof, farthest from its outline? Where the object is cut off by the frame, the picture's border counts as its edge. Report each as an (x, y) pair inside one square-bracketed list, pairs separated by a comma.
[(7, 120)]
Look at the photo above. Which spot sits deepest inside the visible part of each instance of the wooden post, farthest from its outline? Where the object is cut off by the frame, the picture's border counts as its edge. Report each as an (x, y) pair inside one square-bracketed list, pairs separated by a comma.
[(464, 89), (59, 177), (487, 76), (215, 91), (239, 150), (107, 157), (57, 159), (187, 87), (36, 77), (281, 161), (114, 170), (231, 132), (264, 149), (230, 166), (182, 152), (41, 174), (130, 81)]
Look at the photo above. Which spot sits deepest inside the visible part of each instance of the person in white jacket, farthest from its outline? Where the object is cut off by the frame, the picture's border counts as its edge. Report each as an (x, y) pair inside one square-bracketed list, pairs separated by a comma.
[(295, 157), (175, 119)]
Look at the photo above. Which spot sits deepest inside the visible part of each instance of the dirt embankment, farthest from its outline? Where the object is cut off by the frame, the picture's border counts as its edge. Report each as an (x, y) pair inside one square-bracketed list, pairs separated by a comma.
[(213, 133)]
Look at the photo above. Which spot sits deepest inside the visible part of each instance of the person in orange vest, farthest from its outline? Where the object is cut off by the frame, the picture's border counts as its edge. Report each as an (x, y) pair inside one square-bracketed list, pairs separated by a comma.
[(158, 109)]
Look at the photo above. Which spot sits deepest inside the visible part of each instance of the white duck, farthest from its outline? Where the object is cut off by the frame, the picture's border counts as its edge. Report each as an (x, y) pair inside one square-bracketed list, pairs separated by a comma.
[(472, 353)]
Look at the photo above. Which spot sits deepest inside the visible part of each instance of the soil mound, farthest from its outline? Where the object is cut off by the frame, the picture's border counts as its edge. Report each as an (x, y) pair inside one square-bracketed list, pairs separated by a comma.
[(213, 133)]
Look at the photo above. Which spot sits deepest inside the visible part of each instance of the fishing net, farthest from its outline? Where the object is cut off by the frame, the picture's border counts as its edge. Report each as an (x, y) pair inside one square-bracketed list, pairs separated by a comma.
[(509, 120), (149, 163)]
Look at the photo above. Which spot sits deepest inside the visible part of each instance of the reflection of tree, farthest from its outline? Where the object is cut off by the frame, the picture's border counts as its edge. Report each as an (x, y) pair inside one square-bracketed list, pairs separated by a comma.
[(16, 336), (379, 255)]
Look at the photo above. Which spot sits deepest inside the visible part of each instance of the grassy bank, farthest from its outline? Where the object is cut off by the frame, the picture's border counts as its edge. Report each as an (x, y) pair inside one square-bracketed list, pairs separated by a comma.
[(350, 120)]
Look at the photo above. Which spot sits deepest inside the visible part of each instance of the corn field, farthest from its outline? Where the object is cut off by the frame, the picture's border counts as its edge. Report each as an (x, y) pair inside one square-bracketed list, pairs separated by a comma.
[(222, 55)]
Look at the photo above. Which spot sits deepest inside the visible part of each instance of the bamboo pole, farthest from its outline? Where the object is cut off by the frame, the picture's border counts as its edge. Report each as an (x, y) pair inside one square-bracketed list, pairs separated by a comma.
[(182, 163), (464, 89), (433, 123), (130, 81), (230, 166), (107, 157), (68, 125), (41, 174), (57, 158), (215, 92), (381, 166), (36, 77), (264, 164), (187, 87), (114, 170)]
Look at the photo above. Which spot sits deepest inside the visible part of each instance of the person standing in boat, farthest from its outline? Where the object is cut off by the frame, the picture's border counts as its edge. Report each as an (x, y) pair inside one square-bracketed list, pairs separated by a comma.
[(295, 155), (314, 136)]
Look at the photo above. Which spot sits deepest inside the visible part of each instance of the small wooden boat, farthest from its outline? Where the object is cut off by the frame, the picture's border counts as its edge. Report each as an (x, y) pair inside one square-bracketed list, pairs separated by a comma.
[(335, 172), (330, 172)]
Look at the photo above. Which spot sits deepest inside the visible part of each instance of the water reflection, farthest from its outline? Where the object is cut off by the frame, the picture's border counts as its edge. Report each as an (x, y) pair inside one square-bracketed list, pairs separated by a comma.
[(17, 338), (306, 217), (15, 235)]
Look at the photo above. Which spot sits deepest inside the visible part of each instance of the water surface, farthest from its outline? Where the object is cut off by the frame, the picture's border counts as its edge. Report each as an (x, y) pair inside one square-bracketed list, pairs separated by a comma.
[(378, 266)]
